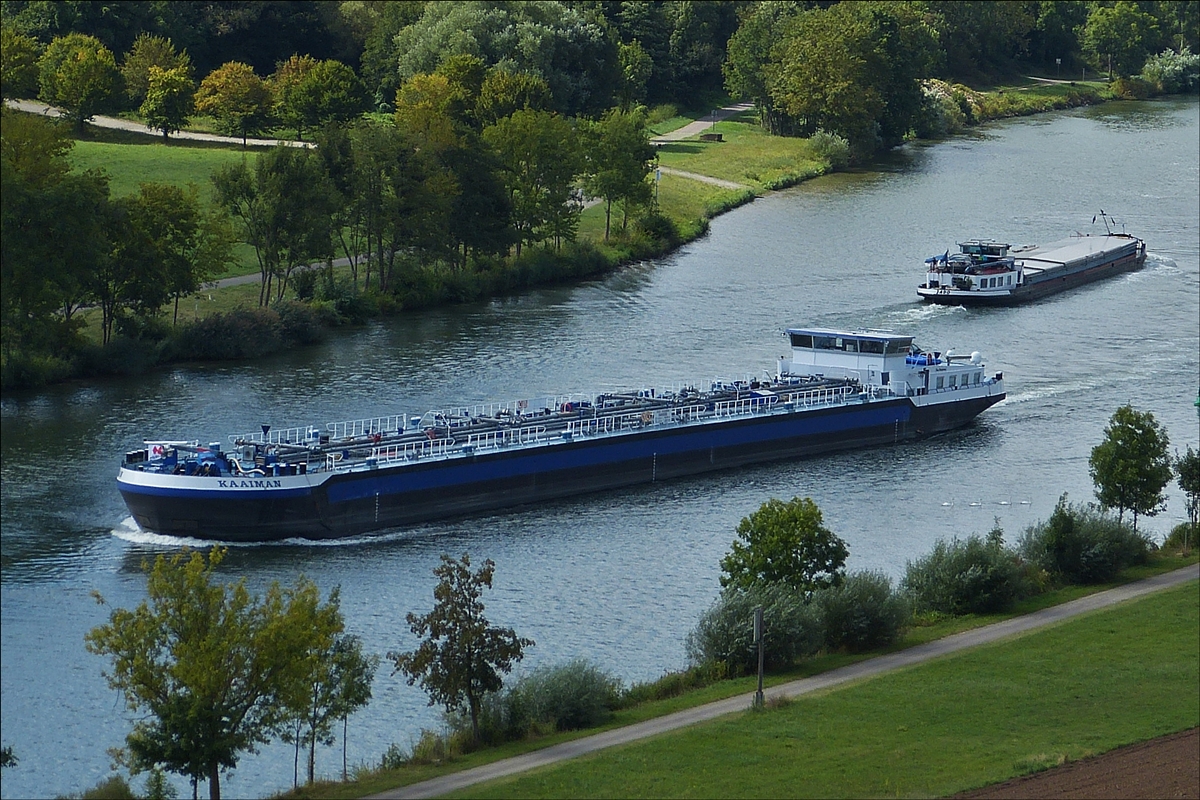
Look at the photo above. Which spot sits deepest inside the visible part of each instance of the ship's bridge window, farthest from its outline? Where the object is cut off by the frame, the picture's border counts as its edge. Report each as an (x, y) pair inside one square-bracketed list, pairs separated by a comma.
[(898, 346), (802, 340), (870, 346), (835, 343)]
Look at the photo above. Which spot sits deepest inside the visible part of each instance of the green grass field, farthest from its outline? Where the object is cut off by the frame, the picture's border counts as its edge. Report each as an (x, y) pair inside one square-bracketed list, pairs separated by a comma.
[(151, 161), (1080, 688)]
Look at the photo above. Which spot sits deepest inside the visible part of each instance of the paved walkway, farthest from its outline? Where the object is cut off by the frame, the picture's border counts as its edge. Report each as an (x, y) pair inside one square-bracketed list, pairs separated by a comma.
[(701, 125), (837, 677), (114, 123)]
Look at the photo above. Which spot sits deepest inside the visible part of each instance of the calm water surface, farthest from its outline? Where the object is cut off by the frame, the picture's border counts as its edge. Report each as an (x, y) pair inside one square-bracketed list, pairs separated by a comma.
[(620, 578)]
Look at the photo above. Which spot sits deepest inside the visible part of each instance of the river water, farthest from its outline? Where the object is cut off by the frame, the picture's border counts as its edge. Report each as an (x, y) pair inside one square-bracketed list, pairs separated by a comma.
[(620, 578)]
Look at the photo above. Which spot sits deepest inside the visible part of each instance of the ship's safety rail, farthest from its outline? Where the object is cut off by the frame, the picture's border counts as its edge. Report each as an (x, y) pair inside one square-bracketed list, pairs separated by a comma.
[(307, 434), (514, 410), (836, 395), (744, 406), (411, 451), (366, 427)]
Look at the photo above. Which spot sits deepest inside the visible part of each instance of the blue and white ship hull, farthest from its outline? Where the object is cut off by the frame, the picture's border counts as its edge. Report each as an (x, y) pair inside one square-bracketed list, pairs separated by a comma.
[(389, 473)]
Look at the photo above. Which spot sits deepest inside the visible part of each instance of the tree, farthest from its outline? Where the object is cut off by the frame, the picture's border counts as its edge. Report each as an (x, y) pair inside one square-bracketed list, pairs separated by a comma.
[(239, 100), (207, 665), (18, 63), (170, 100), (284, 206), (7, 759), (785, 543), (1120, 37), (79, 75), (151, 51), (636, 67), (620, 157), (462, 655), (1131, 466), (336, 682), (1187, 470), (540, 155), (504, 92)]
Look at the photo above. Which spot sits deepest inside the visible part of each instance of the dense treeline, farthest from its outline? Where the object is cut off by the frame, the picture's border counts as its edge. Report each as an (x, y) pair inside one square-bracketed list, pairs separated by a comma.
[(456, 140)]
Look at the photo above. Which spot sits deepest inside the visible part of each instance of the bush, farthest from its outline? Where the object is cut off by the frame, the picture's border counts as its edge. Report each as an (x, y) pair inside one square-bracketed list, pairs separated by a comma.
[(673, 684), (725, 633), (299, 323), (567, 696), (304, 284), (661, 113), (1182, 537), (830, 147), (1172, 72), (1083, 545), (114, 787), (121, 356), (242, 333), (974, 576), (1132, 88), (862, 613), (27, 371)]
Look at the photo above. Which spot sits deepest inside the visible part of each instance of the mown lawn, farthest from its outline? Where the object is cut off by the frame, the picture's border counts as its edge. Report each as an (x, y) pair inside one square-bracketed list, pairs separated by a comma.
[(1080, 688)]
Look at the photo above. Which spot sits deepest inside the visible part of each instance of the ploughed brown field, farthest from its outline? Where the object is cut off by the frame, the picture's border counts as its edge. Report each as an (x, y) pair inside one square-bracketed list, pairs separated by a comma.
[(1166, 767)]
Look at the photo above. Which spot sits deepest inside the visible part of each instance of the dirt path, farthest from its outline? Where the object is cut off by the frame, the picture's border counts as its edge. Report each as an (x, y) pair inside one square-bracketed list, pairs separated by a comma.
[(1165, 767), (854, 672), (115, 123)]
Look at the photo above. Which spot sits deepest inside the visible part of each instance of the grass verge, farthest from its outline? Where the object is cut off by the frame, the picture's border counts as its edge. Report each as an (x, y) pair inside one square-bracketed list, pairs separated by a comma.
[(1081, 688), (373, 781)]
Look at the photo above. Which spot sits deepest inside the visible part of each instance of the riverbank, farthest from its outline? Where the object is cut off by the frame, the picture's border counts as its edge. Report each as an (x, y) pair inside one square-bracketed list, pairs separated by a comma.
[(709, 165), (867, 680)]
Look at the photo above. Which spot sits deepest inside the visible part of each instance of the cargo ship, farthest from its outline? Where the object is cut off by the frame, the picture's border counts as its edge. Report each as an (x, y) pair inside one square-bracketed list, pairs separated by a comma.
[(985, 272), (835, 390)]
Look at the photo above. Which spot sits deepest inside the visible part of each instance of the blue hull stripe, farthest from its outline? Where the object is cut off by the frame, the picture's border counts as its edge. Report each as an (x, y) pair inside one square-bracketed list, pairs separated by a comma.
[(586, 453)]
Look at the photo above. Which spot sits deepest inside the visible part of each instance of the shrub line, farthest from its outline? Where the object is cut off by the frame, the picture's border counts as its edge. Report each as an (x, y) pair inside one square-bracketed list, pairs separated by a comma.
[(852, 672)]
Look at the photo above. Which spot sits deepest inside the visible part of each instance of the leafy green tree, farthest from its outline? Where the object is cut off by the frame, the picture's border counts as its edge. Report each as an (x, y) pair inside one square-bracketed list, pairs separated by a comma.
[(1055, 33), (284, 209), (1131, 466), (240, 101), (310, 93), (170, 100), (461, 656), (479, 218), (1120, 37), (555, 41), (785, 543), (619, 158), (748, 61), (130, 277), (540, 155), (504, 92), (208, 666), (1187, 470), (382, 21), (52, 234), (636, 67), (18, 63), (977, 39), (149, 51), (79, 75)]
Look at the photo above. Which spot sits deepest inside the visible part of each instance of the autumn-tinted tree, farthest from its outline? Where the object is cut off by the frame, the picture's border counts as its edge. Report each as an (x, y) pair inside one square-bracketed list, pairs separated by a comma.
[(462, 656), (785, 543), (206, 666), (79, 75), (169, 101), (504, 92), (151, 51), (619, 157), (1131, 467), (240, 101), (18, 63)]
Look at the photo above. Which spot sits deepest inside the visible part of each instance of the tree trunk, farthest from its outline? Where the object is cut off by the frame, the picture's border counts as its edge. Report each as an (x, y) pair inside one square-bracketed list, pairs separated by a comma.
[(607, 216), (344, 725), (312, 754), (214, 782)]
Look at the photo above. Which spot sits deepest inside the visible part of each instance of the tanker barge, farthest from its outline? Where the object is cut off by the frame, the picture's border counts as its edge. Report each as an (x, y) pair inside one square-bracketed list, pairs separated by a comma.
[(989, 273), (836, 390)]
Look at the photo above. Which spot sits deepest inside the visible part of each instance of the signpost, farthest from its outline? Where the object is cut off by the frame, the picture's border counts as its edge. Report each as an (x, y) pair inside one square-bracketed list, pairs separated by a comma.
[(758, 640)]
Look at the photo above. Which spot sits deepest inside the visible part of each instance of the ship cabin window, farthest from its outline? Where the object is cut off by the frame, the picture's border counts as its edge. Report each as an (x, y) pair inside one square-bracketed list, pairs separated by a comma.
[(941, 383), (869, 346), (953, 381), (976, 378), (802, 340), (898, 346)]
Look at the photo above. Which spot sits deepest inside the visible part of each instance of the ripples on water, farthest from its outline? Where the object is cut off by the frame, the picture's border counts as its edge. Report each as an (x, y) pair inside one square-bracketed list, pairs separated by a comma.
[(621, 577)]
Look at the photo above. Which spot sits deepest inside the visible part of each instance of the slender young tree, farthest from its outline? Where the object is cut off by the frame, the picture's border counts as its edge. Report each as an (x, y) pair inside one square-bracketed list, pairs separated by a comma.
[(462, 656)]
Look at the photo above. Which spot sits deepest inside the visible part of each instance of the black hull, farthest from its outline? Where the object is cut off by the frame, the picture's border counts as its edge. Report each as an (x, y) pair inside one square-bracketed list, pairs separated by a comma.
[(393, 496)]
